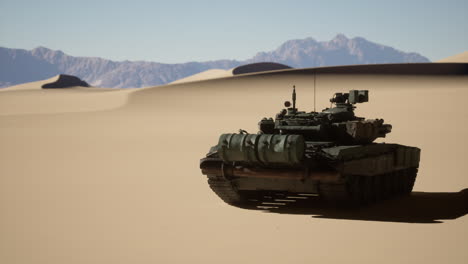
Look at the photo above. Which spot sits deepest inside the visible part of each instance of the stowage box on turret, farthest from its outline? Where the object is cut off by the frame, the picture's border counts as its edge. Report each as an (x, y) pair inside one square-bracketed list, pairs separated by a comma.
[(329, 153)]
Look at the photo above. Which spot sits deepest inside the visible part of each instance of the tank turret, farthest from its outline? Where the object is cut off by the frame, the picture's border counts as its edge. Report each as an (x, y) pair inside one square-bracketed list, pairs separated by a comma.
[(330, 153), (337, 123)]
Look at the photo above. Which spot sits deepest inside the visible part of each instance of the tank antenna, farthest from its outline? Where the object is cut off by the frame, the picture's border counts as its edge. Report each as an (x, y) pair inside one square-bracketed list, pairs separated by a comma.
[(315, 76), (294, 97)]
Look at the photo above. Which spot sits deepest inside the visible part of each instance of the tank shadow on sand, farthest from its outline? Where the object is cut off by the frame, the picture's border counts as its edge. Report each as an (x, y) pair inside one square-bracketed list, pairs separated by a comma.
[(419, 207)]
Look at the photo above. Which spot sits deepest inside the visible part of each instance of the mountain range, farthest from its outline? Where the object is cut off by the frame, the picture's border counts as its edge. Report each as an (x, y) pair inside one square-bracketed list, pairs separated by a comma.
[(20, 66)]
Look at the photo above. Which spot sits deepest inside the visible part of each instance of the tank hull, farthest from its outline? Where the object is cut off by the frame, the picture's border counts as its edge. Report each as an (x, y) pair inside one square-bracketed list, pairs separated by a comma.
[(346, 174)]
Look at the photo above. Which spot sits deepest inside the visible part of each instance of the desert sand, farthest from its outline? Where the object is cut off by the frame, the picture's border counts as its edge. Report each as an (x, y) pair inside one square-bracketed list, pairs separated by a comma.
[(206, 75), (116, 180), (30, 98), (461, 57), (251, 68)]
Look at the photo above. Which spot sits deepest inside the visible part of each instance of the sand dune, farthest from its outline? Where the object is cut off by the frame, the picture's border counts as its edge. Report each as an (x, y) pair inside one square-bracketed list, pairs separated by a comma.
[(462, 57), (123, 185), (206, 75), (251, 68), (31, 98), (31, 85), (64, 80)]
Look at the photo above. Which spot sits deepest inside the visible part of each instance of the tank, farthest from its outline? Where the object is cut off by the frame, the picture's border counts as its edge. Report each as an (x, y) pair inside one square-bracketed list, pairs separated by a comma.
[(331, 154)]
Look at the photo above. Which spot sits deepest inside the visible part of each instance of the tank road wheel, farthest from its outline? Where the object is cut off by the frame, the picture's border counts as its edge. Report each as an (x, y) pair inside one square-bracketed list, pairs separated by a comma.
[(226, 191)]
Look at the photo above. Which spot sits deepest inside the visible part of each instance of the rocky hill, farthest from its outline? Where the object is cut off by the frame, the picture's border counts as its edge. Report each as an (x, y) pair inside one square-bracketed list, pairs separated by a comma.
[(19, 66)]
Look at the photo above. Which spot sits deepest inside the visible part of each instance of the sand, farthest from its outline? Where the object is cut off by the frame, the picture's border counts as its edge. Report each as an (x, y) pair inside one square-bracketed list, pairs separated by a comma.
[(31, 85), (206, 75), (243, 69), (121, 184), (461, 57), (30, 98)]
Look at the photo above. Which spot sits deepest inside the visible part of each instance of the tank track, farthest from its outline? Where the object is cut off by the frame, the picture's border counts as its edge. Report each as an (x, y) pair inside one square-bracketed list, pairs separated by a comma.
[(359, 190), (227, 191)]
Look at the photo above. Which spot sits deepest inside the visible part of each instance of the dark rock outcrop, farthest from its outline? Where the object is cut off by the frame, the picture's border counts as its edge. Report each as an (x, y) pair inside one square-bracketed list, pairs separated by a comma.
[(259, 67), (65, 81)]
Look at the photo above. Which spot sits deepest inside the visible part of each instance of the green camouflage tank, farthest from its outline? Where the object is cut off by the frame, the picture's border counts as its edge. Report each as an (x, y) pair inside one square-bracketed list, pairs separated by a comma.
[(330, 153)]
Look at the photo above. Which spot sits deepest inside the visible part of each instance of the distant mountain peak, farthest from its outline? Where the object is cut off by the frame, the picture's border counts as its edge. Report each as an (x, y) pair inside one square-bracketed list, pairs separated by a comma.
[(41, 48), (43, 52), (340, 37), (338, 51), (19, 66)]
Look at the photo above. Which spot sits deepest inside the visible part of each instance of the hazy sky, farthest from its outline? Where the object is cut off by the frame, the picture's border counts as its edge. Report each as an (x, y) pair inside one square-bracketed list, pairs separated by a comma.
[(181, 31)]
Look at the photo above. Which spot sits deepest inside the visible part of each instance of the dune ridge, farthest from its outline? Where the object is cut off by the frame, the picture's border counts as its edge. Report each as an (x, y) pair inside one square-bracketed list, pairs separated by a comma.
[(206, 75), (31, 98), (461, 57)]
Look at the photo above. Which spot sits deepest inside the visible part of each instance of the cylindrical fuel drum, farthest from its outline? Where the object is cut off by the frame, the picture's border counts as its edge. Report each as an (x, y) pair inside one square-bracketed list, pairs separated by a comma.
[(262, 148)]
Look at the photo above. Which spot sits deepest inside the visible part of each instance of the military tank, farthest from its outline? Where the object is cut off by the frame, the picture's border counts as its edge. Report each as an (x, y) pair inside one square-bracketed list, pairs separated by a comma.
[(331, 154)]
